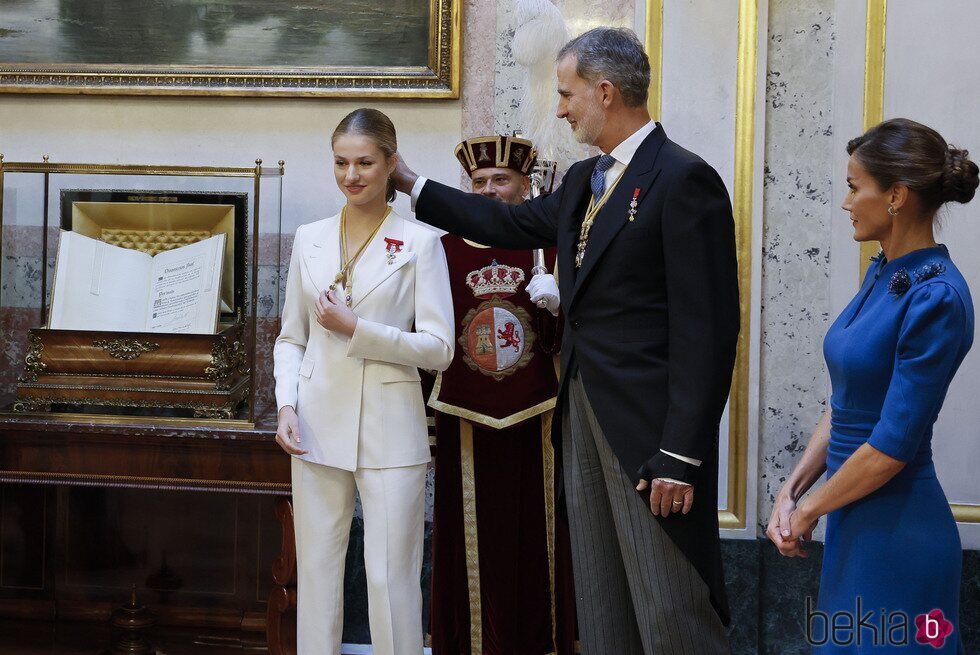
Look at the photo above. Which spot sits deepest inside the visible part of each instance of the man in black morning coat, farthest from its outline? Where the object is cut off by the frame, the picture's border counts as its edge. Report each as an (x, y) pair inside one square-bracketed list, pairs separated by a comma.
[(650, 295)]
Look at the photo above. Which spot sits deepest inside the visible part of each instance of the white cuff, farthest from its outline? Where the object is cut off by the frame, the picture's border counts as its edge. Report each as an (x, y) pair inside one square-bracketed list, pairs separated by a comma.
[(417, 189), (365, 339), (672, 480), (689, 460)]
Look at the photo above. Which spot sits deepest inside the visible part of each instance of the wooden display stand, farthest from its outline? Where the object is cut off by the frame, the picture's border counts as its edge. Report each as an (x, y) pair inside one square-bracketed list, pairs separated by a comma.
[(112, 409), (205, 373)]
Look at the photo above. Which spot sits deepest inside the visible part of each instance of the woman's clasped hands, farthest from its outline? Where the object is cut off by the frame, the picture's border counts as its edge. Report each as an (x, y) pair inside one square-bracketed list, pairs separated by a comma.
[(790, 527)]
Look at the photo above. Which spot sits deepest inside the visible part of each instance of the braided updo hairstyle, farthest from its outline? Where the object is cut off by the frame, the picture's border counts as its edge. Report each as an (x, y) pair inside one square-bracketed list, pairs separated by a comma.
[(901, 151)]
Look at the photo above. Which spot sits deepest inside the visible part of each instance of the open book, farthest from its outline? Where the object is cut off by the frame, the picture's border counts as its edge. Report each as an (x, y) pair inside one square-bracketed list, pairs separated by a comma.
[(102, 287)]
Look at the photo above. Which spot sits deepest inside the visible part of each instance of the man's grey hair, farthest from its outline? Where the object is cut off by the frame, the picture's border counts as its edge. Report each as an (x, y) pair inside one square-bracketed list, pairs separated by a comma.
[(614, 54)]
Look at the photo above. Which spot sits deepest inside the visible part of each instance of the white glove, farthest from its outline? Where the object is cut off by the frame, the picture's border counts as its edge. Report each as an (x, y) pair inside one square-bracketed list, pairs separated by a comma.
[(543, 290)]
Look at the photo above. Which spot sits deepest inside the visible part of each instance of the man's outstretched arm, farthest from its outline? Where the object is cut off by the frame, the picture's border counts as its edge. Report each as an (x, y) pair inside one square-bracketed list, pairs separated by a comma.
[(533, 224)]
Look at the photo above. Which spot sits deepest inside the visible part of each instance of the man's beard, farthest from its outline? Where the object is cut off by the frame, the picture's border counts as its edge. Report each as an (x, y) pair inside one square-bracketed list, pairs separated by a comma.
[(590, 126), (515, 199)]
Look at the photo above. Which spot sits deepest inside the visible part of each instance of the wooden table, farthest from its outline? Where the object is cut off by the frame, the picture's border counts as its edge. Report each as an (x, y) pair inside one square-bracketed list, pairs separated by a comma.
[(187, 455)]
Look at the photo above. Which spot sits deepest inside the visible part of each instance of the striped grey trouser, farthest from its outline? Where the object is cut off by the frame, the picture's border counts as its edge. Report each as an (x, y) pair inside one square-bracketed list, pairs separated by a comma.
[(635, 592)]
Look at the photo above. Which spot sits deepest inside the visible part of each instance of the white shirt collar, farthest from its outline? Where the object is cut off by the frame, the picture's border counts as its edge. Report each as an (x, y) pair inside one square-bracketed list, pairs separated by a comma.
[(623, 153)]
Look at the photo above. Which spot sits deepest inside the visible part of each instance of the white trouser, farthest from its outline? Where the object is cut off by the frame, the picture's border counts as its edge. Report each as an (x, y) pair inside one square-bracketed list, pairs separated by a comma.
[(393, 501)]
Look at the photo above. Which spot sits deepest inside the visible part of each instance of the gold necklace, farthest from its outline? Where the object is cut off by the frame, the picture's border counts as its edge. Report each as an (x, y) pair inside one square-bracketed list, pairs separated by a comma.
[(590, 216), (345, 276)]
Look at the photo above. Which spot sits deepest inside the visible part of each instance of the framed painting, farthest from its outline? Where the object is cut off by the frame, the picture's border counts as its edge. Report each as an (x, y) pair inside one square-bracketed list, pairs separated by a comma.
[(338, 48)]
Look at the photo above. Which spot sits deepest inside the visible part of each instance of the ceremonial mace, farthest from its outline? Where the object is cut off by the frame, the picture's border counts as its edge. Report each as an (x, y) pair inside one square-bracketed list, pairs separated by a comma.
[(542, 182)]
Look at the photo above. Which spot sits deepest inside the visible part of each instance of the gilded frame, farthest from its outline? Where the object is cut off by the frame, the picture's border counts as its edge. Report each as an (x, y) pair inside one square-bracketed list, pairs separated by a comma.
[(440, 78)]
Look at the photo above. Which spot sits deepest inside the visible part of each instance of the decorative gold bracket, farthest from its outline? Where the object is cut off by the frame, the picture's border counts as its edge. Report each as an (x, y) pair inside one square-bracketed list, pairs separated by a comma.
[(227, 358), (125, 348), (33, 362)]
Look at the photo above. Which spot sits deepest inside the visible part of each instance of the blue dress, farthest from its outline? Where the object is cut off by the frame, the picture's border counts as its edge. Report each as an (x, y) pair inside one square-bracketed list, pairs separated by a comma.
[(891, 355)]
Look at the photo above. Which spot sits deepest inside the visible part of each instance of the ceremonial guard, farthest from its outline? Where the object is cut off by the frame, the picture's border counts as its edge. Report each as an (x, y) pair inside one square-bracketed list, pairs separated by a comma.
[(502, 581)]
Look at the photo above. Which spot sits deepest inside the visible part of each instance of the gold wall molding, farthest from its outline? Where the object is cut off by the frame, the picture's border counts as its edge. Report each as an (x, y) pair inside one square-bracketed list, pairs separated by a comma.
[(874, 94), (874, 63), (965, 513), (653, 43), (733, 516)]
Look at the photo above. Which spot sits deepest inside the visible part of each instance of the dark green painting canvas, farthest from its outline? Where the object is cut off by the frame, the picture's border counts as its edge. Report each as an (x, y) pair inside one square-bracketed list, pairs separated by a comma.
[(243, 36), (215, 32)]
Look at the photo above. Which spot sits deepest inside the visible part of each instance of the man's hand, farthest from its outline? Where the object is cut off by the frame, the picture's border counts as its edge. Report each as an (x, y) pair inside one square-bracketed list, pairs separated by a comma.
[(667, 497), (334, 315), (403, 176), (543, 287), (287, 434)]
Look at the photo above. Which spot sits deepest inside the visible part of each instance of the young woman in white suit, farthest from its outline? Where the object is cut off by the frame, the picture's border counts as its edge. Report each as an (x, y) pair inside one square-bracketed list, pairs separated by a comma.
[(367, 303)]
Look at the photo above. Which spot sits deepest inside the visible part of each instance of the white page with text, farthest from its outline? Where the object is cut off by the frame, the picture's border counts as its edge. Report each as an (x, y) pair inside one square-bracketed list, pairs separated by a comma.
[(184, 287), (98, 286)]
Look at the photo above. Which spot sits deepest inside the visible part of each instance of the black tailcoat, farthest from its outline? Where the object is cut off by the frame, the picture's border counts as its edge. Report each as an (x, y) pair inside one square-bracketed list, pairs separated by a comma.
[(652, 316)]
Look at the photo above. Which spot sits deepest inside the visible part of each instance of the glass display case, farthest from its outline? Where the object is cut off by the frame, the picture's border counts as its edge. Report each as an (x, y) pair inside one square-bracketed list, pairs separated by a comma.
[(167, 373)]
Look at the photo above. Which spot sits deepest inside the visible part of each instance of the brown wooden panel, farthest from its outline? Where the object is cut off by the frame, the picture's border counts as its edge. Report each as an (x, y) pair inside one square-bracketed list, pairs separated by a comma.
[(23, 528), (21, 608), (86, 638), (142, 456), (269, 546), (171, 543), (99, 539)]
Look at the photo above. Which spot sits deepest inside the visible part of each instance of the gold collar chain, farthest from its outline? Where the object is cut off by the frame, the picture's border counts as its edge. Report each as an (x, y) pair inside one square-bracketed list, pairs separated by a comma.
[(590, 216), (345, 276)]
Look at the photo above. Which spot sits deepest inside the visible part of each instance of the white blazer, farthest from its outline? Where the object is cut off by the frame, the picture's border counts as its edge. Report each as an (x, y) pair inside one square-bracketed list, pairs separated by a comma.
[(359, 399)]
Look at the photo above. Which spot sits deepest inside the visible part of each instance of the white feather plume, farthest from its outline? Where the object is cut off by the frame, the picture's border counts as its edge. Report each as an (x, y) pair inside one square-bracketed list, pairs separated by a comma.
[(540, 35)]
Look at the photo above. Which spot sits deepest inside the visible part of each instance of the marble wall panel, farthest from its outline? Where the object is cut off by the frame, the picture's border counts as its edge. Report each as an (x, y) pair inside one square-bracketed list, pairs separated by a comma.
[(479, 64), (580, 16), (796, 238), (25, 240), (14, 324), (266, 331)]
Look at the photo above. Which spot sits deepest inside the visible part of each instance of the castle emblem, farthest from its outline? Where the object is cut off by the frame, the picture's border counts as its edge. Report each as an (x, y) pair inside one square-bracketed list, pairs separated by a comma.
[(496, 338)]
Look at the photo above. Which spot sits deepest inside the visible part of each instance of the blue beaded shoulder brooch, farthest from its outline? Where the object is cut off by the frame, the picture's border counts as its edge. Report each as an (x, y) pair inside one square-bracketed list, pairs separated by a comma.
[(901, 280)]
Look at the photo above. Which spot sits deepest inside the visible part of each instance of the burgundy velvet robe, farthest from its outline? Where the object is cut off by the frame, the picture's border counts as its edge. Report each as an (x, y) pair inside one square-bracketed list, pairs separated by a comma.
[(502, 577)]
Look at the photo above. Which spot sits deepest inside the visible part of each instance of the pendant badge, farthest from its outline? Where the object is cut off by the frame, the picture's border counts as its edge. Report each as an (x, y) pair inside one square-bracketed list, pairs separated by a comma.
[(392, 247), (631, 214)]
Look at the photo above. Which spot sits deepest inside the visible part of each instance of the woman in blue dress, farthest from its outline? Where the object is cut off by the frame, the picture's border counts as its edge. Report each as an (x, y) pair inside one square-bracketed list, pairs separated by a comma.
[(892, 554)]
